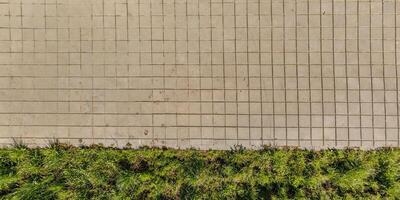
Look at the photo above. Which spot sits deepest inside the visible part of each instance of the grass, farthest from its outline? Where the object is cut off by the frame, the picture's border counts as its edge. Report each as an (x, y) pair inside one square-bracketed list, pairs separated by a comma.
[(64, 172)]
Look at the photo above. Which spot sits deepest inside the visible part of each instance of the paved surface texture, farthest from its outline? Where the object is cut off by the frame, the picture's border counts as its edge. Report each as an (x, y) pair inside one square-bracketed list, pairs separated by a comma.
[(200, 73)]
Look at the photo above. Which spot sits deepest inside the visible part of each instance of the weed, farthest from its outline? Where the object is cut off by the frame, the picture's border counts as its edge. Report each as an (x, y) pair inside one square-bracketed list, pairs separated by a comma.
[(19, 144)]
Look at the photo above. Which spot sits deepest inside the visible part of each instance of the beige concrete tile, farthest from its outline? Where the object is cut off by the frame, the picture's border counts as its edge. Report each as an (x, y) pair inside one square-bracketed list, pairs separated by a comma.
[(191, 74)]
